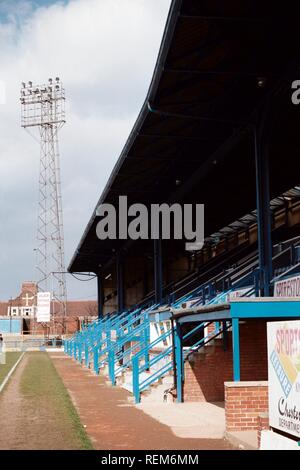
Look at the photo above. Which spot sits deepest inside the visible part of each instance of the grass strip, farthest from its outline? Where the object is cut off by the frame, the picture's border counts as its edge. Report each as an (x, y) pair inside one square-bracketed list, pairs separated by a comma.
[(11, 359), (44, 389)]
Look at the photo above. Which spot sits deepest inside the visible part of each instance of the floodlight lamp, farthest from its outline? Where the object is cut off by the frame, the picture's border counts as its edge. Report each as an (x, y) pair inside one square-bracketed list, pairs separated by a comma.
[(261, 82)]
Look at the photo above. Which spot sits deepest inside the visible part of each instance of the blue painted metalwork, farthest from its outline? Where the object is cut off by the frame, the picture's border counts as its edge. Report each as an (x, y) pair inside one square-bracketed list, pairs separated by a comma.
[(225, 335), (265, 309), (179, 363), (139, 367), (139, 335), (236, 349), (137, 332), (98, 334), (115, 339), (11, 325), (135, 379)]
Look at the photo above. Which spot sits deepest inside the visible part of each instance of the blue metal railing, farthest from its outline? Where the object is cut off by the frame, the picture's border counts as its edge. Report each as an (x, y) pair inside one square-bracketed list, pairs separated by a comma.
[(102, 347), (93, 334), (109, 350), (139, 383), (119, 357), (137, 368), (181, 356), (139, 336)]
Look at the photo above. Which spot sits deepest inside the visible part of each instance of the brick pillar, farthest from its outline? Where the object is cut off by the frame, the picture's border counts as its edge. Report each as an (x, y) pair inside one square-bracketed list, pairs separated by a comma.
[(262, 424), (244, 402)]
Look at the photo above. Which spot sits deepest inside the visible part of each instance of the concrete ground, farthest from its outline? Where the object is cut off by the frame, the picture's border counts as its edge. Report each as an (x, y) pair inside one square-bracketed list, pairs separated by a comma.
[(114, 423), (246, 440), (189, 420)]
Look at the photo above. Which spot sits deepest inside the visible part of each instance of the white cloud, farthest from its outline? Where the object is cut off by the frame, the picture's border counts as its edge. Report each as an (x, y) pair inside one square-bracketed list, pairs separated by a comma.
[(105, 52)]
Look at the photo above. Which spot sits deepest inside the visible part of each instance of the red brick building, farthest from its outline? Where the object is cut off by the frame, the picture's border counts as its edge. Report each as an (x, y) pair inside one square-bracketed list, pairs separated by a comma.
[(24, 306)]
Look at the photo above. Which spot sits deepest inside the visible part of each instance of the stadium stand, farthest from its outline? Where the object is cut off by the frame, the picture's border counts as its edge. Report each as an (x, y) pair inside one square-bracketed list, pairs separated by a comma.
[(218, 127)]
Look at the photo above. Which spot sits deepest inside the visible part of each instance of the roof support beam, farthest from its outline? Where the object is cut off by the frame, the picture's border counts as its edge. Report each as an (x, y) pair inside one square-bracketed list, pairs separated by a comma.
[(195, 117), (236, 350), (226, 18), (120, 281), (175, 137), (158, 272), (100, 295), (224, 73), (263, 210)]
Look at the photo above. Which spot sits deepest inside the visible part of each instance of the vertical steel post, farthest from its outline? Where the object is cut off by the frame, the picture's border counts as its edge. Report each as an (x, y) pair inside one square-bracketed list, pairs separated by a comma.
[(96, 360), (225, 336), (111, 366), (173, 354), (158, 276), (120, 282), (145, 343), (135, 379), (100, 295), (263, 211), (236, 349), (179, 362), (86, 353)]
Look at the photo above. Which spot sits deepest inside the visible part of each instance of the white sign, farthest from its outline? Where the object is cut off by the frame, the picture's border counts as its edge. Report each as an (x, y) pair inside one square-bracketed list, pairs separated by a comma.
[(43, 307), (236, 294), (284, 376), (287, 287)]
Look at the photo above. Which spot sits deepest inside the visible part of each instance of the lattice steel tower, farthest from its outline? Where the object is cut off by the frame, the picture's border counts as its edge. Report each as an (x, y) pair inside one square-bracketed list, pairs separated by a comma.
[(43, 107)]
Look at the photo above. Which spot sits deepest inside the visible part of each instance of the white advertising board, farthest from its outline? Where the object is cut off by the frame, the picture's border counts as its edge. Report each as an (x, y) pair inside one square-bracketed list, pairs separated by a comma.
[(43, 307), (289, 287), (236, 294), (284, 376)]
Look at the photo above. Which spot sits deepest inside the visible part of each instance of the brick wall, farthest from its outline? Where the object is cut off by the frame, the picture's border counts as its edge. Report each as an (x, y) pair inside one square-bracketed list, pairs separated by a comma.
[(58, 327), (244, 402), (262, 424), (208, 369)]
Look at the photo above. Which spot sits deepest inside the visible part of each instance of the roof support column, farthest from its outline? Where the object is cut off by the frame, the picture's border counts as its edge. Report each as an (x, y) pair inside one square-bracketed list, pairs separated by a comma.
[(120, 281), (158, 276), (236, 350), (100, 295), (263, 212)]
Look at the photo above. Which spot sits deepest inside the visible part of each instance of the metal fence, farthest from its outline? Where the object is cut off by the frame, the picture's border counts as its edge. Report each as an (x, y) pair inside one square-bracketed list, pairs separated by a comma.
[(34, 344)]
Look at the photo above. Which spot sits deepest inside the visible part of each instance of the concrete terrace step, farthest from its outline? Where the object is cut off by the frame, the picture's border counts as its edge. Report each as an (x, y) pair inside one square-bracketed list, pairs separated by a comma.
[(155, 391)]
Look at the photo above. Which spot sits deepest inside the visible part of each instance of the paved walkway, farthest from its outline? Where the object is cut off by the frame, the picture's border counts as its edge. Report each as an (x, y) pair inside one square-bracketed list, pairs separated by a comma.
[(114, 424), (199, 420)]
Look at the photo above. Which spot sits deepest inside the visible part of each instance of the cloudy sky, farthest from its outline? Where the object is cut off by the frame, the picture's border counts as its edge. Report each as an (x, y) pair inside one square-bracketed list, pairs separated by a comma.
[(105, 52)]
